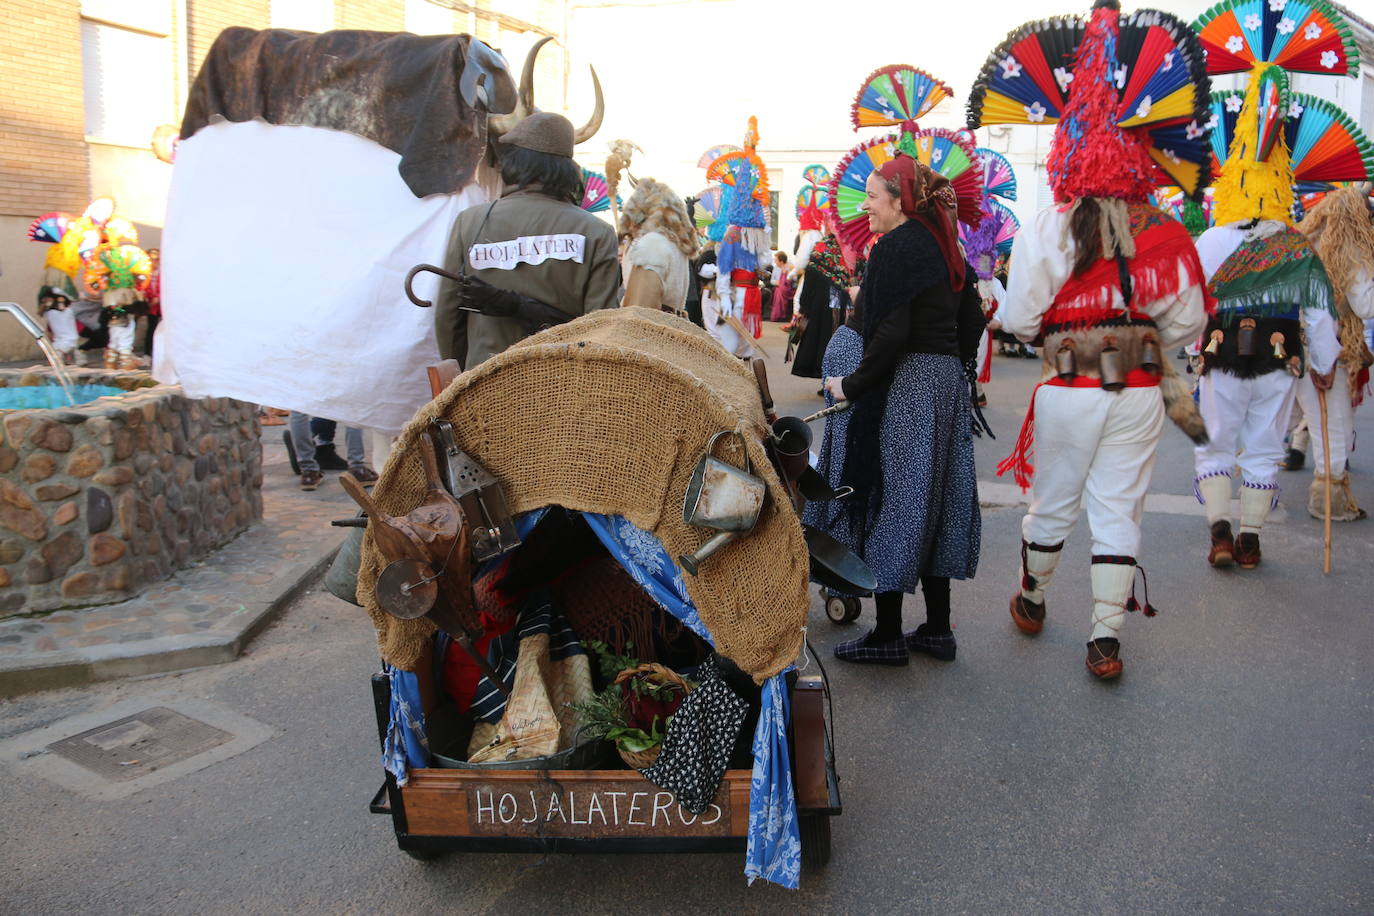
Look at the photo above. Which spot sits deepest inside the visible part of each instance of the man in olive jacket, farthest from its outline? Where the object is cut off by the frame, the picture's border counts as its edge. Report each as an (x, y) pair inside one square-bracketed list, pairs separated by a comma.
[(535, 240)]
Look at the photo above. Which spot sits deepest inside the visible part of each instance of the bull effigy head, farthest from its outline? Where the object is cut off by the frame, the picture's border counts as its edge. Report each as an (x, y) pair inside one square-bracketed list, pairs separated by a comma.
[(501, 120)]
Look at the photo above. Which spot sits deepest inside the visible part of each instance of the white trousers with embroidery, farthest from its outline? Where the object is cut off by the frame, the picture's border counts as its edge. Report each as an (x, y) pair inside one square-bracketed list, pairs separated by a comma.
[(1246, 422), (1097, 448)]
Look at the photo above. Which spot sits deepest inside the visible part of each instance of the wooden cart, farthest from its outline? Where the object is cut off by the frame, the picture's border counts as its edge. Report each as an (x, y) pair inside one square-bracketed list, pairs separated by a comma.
[(450, 810)]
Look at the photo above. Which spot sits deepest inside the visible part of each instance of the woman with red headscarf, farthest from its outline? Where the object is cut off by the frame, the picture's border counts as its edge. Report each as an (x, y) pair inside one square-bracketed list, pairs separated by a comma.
[(905, 359)]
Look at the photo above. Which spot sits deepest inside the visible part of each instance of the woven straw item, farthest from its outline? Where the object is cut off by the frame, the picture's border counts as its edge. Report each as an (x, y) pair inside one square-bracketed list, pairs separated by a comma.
[(610, 413), (639, 760)]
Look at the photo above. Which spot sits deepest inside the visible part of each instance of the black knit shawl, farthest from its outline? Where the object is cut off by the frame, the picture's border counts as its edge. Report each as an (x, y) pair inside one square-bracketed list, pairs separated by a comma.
[(903, 264)]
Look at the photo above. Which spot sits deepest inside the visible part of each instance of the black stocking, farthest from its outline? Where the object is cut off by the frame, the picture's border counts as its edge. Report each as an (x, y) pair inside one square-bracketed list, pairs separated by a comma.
[(936, 592), (889, 626)]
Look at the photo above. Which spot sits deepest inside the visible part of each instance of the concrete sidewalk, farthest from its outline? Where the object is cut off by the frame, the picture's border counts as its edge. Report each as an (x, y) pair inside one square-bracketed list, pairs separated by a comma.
[(204, 614)]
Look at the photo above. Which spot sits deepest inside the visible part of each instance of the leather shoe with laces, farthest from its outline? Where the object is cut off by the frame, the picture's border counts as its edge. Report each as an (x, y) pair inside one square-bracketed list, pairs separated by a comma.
[(1247, 550), (1028, 616), (310, 480), (1223, 550), (1104, 658)]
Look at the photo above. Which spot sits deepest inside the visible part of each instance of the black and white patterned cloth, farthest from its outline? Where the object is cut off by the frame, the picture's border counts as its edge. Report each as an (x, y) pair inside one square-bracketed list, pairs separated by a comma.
[(929, 522), (701, 735)]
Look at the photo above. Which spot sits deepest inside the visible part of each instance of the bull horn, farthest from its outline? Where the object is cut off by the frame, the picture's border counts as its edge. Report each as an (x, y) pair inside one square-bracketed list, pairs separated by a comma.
[(588, 130), (524, 104)]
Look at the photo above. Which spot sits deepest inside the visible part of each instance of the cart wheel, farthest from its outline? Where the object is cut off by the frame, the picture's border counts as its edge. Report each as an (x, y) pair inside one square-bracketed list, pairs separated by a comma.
[(427, 855), (842, 610), (815, 841)]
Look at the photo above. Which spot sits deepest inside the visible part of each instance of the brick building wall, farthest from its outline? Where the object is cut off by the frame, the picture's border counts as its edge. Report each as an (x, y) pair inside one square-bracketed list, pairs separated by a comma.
[(377, 15), (205, 19), (43, 156)]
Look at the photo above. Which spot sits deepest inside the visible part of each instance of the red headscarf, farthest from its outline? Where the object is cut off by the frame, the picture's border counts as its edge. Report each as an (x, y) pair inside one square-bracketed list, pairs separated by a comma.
[(929, 198)]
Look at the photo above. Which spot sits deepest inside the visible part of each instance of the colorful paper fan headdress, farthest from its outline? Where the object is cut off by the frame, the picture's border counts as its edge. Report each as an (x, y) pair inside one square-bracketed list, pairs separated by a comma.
[(814, 197), (946, 152), (1264, 137), (1195, 215), (596, 195), (1128, 92), (897, 94), (707, 206), (999, 179)]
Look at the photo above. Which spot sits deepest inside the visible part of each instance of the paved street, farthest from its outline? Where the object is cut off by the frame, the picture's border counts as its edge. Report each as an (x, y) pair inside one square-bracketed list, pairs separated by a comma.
[(1228, 771)]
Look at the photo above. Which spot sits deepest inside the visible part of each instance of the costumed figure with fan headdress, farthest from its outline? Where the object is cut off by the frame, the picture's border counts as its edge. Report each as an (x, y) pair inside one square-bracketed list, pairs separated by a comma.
[(743, 242), (1106, 281), (1275, 318), (659, 242), (903, 359), (1341, 230)]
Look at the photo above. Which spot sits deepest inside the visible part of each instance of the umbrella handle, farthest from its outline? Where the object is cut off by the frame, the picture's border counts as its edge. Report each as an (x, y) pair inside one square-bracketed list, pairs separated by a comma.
[(421, 268)]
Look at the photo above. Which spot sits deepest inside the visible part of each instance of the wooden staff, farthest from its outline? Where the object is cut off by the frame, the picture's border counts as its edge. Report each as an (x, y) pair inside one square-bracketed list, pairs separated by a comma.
[(1326, 490)]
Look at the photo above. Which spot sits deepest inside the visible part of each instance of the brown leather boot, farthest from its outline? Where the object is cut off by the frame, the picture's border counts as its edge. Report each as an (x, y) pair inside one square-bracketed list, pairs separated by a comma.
[(1223, 545), (1247, 550), (1028, 616), (1104, 658)]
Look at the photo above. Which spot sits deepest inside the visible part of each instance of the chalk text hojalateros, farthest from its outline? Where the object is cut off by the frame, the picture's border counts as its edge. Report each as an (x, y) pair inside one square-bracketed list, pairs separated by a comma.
[(551, 810)]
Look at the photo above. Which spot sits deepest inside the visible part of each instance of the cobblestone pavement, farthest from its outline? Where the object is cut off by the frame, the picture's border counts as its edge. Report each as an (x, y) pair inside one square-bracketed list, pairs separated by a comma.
[(203, 614)]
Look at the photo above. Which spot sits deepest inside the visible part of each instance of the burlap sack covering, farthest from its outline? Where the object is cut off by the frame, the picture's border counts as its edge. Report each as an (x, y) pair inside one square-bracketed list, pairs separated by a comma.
[(610, 414)]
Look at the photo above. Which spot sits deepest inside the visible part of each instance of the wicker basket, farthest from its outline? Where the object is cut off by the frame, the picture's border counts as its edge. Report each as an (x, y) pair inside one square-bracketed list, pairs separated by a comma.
[(640, 760)]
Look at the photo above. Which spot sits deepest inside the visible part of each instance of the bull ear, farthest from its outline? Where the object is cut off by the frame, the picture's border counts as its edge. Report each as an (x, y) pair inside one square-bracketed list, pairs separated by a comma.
[(588, 130), (485, 81), (524, 106)]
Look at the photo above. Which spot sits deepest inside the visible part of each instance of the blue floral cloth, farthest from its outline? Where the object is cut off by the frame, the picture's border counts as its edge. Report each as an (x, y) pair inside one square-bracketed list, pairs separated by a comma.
[(774, 845), (406, 743)]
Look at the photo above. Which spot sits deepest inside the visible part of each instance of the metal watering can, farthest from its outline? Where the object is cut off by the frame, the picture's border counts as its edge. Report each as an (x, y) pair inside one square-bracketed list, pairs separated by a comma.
[(723, 498)]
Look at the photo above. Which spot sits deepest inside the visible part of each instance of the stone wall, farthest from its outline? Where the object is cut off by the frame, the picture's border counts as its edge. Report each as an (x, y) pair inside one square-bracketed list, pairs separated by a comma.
[(99, 500)]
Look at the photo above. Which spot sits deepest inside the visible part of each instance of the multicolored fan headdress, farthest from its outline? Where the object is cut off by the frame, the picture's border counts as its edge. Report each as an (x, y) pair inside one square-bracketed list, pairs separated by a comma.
[(999, 179), (1326, 146), (813, 198), (1258, 149), (896, 96), (1129, 94), (1195, 215), (596, 194)]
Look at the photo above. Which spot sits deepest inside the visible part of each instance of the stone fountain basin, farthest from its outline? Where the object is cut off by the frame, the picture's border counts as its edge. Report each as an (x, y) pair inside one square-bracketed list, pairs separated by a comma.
[(100, 500)]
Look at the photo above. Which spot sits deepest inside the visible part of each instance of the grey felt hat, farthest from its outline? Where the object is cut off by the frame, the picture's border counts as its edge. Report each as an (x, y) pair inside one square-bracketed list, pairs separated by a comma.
[(543, 132)]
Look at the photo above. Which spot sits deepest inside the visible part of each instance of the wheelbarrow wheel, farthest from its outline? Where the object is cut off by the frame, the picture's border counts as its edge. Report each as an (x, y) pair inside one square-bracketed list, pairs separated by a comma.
[(842, 610), (815, 841)]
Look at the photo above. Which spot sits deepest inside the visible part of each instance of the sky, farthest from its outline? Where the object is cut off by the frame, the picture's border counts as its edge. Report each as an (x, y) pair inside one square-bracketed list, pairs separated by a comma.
[(680, 77)]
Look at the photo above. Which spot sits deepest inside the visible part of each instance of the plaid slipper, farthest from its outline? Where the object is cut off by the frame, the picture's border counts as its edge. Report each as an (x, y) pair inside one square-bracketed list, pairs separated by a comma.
[(864, 651), (939, 647)]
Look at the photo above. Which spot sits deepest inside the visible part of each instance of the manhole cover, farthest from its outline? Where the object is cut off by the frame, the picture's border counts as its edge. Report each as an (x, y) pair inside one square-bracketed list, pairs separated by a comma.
[(136, 745)]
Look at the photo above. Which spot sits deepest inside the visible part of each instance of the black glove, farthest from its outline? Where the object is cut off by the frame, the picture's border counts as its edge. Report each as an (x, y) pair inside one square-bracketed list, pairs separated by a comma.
[(476, 294)]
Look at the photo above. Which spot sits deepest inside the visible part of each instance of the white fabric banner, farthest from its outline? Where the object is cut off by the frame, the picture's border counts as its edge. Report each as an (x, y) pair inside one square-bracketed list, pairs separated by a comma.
[(528, 249), (284, 255)]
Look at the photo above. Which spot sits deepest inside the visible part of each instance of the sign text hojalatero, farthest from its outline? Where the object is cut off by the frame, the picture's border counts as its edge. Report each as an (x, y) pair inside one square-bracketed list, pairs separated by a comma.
[(631, 807)]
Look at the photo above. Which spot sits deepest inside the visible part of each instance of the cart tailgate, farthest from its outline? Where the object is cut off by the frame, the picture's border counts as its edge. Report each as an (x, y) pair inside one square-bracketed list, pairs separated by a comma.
[(564, 803)]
